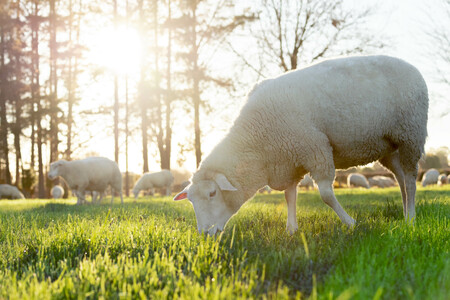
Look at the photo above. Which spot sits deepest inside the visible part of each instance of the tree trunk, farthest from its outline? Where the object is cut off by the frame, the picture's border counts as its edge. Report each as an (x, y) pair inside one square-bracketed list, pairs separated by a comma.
[(18, 101), (144, 116), (116, 100), (4, 121), (33, 134), (116, 119), (160, 129), (53, 85), (36, 95), (196, 90), (127, 180), (168, 98), (144, 127), (16, 133), (70, 86)]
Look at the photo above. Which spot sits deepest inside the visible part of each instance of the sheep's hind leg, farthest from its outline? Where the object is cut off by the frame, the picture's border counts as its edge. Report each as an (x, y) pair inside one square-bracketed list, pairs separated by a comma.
[(291, 198), (409, 158), (392, 163), (112, 195)]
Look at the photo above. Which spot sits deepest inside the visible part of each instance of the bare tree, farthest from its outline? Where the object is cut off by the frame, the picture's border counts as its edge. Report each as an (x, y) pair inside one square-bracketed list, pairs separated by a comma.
[(291, 33), (204, 27), (439, 37), (441, 44)]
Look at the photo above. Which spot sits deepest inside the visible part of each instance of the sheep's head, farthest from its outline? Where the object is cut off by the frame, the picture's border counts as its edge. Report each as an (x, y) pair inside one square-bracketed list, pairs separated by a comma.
[(207, 197), (55, 169)]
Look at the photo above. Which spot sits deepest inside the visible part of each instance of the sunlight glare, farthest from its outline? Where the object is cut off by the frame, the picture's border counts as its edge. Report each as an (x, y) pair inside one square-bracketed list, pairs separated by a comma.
[(118, 50)]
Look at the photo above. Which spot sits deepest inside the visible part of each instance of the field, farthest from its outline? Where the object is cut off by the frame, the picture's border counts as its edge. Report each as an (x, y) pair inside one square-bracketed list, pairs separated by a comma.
[(151, 249)]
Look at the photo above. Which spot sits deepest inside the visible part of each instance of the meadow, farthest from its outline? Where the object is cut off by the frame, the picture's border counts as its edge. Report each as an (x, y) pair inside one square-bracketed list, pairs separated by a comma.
[(151, 249)]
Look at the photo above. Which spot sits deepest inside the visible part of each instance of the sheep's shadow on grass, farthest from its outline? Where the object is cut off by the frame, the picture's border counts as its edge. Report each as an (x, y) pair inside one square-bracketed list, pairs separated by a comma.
[(285, 257)]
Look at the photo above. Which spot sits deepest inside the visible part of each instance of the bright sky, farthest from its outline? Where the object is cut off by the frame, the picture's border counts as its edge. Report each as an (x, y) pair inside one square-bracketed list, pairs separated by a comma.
[(403, 22), (406, 22)]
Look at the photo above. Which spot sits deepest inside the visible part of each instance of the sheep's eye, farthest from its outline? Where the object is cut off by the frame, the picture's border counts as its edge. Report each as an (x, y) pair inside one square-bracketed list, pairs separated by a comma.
[(212, 194)]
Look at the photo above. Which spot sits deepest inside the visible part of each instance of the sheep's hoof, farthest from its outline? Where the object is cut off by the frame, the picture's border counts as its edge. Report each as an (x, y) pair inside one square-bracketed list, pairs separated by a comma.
[(291, 229), (351, 223)]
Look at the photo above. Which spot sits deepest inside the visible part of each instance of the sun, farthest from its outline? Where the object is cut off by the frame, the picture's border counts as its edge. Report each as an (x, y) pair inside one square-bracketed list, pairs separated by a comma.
[(118, 50)]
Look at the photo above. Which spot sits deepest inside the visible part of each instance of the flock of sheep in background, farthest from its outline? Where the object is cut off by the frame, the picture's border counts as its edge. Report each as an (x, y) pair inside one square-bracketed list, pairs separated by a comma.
[(94, 174), (89, 179)]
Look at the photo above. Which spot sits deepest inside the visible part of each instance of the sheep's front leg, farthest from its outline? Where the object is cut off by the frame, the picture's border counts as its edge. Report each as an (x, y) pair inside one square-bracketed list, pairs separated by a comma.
[(291, 198), (80, 196), (327, 194)]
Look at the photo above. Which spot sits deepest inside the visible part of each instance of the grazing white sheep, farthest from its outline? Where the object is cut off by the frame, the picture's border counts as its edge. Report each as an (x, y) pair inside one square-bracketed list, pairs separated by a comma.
[(89, 174), (448, 178), (442, 179), (335, 114), (150, 181), (306, 182), (8, 191), (57, 192), (357, 180), (381, 181), (431, 176)]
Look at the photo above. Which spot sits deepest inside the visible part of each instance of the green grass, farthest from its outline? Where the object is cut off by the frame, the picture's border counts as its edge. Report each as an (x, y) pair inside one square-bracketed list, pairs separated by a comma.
[(150, 249)]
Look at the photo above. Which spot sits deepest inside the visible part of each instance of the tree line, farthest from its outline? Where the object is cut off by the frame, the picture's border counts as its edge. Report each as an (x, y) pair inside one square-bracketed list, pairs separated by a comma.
[(43, 56)]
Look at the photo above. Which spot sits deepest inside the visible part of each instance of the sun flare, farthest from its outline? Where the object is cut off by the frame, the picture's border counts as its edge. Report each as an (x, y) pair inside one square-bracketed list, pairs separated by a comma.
[(118, 50)]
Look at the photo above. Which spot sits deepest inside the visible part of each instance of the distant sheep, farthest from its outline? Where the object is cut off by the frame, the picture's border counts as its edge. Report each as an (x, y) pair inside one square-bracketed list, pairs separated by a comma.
[(266, 189), (331, 115), (430, 177), (184, 184), (180, 176), (57, 192), (381, 181), (89, 174), (357, 180), (442, 179), (8, 191), (150, 181), (306, 182)]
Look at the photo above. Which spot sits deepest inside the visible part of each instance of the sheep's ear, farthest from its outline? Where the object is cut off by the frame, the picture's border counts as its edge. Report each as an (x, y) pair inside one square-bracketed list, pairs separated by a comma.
[(180, 196), (223, 183)]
